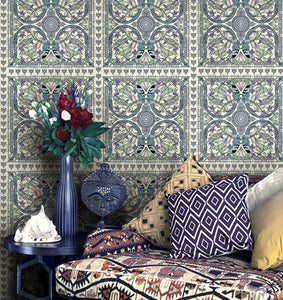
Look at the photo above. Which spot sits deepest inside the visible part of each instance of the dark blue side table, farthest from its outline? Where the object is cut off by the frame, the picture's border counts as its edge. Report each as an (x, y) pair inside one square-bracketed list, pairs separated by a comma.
[(49, 255)]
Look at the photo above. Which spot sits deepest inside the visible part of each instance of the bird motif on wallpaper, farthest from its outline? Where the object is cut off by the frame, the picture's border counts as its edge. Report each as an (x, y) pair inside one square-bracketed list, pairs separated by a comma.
[(48, 91), (51, 48), (146, 142), (241, 142), (148, 94), (146, 188), (241, 95), (241, 48), (146, 48)]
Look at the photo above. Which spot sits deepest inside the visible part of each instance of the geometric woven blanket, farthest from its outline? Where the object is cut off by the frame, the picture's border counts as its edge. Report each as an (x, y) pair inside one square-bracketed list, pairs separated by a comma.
[(154, 275)]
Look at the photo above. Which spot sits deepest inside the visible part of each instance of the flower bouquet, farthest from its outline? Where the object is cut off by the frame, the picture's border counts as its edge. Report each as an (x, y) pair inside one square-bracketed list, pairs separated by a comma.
[(69, 127)]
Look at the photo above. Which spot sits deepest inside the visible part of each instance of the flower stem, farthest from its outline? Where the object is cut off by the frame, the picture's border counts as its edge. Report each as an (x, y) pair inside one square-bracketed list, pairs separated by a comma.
[(71, 150)]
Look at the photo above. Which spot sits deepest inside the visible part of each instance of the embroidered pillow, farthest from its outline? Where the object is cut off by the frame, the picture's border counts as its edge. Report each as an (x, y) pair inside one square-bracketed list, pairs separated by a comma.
[(106, 242), (211, 220), (152, 223)]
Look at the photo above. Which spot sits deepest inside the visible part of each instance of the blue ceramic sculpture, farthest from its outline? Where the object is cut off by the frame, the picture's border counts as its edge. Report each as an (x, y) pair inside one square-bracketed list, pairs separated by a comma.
[(103, 192)]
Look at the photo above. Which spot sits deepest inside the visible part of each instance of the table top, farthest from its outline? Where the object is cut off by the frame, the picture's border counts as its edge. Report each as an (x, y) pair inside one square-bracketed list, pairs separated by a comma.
[(67, 246)]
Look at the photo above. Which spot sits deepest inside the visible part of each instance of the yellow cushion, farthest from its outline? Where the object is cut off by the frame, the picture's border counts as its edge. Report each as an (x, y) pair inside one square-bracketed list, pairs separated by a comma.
[(152, 223), (267, 229)]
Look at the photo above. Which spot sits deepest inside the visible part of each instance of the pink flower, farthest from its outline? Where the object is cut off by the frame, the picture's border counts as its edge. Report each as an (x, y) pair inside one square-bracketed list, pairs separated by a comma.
[(65, 102)]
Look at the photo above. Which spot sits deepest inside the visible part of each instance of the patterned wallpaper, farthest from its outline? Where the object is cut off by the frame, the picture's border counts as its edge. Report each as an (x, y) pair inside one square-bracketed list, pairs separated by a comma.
[(168, 77)]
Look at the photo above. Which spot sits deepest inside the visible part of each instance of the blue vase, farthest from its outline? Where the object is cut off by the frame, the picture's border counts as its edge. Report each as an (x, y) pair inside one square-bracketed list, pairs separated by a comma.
[(66, 200)]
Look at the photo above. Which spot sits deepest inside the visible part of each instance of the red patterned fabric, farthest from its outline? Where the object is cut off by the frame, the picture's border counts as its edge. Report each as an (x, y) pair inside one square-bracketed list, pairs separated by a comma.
[(106, 241), (253, 179)]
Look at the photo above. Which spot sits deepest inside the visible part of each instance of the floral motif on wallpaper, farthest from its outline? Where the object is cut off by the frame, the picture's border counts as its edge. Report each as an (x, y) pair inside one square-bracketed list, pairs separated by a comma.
[(241, 32), (27, 134), (51, 33), (240, 118), (148, 33), (146, 117), (29, 191)]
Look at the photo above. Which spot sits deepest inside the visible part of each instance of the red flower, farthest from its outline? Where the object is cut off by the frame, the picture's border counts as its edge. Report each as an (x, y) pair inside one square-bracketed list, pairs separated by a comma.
[(65, 102), (80, 117), (63, 135)]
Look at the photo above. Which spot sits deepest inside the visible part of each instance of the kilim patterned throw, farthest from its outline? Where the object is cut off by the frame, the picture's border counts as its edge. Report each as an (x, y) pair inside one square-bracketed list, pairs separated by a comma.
[(154, 276), (211, 220), (152, 223), (103, 242)]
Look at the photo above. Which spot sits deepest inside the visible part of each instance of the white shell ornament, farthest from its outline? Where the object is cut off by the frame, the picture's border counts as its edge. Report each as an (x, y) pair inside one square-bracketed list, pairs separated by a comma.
[(38, 229)]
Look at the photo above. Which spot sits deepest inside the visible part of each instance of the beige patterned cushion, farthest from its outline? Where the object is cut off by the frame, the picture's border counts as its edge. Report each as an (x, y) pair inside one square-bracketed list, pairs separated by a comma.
[(152, 223)]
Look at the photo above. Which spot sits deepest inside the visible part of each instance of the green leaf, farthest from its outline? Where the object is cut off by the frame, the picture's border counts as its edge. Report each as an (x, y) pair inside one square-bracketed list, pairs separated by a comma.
[(79, 132), (48, 131), (97, 124), (71, 150), (93, 128), (45, 147), (85, 149), (98, 131), (59, 142), (53, 134), (69, 144), (58, 151), (73, 134), (47, 124), (94, 151), (52, 146), (66, 127), (83, 161), (94, 142)]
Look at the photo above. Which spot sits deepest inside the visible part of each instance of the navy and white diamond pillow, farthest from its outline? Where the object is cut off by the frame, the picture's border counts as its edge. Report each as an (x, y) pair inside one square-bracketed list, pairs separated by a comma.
[(211, 220)]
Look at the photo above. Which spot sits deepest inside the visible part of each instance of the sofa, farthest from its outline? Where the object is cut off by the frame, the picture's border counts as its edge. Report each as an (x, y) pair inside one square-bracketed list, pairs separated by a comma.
[(202, 236)]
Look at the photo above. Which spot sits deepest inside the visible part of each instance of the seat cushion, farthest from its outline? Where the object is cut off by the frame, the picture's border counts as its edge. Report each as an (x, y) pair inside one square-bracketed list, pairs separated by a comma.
[(154, 275)]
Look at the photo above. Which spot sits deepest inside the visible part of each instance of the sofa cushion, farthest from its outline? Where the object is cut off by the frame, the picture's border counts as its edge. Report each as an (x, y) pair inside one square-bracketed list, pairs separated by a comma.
[(211, 220), (267, 228), (265, 189), (152, 223), (155, 276), (106, 242)]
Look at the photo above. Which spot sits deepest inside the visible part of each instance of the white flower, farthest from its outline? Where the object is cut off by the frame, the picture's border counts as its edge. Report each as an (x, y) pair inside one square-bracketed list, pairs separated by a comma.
[(33, 114), (34, 104), (44, 109), (52, 120), (65, 115)]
